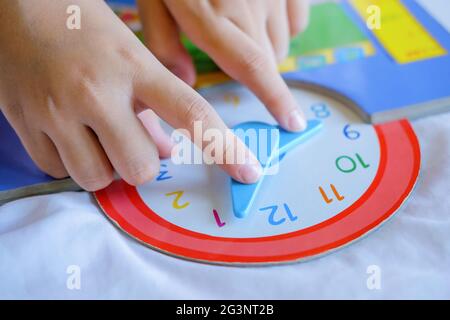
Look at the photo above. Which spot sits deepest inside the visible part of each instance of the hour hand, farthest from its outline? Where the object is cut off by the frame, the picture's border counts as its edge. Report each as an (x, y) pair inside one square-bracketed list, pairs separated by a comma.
[(268, 143)]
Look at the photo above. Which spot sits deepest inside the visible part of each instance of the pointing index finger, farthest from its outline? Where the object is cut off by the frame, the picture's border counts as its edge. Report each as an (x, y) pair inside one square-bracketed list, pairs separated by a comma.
[(183, 108)]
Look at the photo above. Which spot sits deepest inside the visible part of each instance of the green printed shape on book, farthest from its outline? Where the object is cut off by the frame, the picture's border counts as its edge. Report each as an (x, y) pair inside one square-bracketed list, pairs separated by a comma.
[(329, 27)]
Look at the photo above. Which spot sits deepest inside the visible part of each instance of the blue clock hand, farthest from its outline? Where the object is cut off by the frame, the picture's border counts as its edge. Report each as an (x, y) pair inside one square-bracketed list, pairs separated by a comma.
[(270, 144)]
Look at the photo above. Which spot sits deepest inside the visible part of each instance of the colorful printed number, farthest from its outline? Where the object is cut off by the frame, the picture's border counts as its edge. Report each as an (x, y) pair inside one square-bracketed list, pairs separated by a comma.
[(328, 199), (347, 164), (273, 211), (163, 174), (219, 222), (232, 98), (351, 134), (175, 203), (320, 110)]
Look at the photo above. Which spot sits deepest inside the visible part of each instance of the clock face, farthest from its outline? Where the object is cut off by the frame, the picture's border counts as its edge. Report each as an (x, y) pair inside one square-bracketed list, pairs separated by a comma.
[(342, 182)]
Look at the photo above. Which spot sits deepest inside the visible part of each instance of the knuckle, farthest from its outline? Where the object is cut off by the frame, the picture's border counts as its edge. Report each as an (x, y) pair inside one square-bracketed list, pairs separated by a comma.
[(54, 170), (254, 62), (87, 94), (46, 162), (195, 110), (92, 107), (87, 89), (14, 111), (139, 170), (273, 98), (53, 113), (127, 54), (95, 182)]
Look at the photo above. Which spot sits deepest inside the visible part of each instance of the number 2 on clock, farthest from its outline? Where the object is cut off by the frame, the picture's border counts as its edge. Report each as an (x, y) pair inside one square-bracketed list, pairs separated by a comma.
[(175, 202)]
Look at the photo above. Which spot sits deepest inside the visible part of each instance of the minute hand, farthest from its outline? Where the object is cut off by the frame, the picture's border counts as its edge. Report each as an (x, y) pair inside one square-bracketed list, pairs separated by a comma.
[(243, 195)]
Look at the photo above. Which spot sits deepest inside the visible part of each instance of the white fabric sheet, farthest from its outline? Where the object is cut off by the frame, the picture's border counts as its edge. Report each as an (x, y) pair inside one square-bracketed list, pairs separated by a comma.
[(41, 237)]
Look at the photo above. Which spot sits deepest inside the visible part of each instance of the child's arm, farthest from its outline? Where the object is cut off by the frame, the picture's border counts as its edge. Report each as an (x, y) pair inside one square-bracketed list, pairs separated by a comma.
[(71, 95), (246, 38)]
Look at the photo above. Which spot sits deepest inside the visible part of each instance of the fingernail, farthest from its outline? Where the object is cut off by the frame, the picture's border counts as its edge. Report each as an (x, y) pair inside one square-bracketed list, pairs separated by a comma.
[(296, 122), (250, 173)]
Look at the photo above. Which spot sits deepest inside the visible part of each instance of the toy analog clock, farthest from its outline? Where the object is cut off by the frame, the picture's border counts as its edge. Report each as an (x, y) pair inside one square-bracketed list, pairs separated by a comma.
[(336, 185)]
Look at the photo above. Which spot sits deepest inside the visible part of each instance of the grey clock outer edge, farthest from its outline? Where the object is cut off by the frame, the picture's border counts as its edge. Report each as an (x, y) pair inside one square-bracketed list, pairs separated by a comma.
[(55, 186), (365, 117), (263, 264)]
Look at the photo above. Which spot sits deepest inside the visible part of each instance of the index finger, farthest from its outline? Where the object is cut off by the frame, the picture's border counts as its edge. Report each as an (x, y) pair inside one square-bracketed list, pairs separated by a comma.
[(183, 108)]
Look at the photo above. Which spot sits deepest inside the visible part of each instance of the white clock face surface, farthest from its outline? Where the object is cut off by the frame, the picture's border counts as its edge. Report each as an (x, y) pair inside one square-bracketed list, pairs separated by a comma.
[(315, 181)]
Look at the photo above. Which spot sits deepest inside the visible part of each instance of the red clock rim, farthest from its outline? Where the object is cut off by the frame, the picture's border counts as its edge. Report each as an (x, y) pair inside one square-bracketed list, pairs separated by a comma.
[(134, 197)]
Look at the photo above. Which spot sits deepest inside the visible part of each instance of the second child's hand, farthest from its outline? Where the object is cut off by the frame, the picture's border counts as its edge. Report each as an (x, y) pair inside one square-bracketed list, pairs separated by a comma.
[(246, 38)]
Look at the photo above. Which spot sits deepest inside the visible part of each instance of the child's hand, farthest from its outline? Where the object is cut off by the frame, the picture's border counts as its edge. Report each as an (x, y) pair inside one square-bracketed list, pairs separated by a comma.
[(245, 38), (71, 95)]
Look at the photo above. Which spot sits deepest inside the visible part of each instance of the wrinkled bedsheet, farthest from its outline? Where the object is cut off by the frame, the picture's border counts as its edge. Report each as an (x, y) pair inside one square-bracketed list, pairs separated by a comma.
[(46, 241)]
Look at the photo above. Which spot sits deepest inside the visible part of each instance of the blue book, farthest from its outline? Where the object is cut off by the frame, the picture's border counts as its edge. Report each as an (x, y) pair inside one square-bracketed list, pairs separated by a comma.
[(401, 70), (381, 87), (19, 176)]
